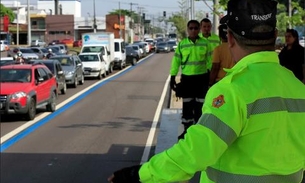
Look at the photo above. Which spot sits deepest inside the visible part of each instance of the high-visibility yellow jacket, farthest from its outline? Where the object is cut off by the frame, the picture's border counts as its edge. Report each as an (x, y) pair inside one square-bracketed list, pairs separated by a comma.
[(251, 130), (191, 57), (214, 41)]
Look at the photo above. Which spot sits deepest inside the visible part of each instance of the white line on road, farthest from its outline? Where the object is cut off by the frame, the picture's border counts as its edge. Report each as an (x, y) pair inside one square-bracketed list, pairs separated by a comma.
[(153, 128)]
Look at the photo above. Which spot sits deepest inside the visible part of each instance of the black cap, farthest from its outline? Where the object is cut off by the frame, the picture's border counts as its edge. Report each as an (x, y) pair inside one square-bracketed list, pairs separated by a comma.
[(244, 15), (223, 31)]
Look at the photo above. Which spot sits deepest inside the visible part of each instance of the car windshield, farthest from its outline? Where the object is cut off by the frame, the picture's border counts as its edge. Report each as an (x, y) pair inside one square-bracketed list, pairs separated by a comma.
[(50, 65), (88, 58), (26, 51), (64, 61), (172, 43), (44, 50), (54, 49), (161, 44), (92, 49), (15, 75), (135, 47)]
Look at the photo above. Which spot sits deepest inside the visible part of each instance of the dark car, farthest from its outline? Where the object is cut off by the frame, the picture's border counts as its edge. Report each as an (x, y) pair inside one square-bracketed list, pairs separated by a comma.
[(56, 68), (172, 45), (72, 67), (132, 55), (162, 47)]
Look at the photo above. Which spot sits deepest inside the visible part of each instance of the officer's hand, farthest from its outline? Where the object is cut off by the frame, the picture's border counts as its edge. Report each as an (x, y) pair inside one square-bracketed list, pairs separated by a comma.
[(173, 83), (129, 174)]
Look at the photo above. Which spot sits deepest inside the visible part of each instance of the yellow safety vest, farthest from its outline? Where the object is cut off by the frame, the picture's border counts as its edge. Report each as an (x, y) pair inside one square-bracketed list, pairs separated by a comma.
[(214, 41), (251, 130), (190, 57)]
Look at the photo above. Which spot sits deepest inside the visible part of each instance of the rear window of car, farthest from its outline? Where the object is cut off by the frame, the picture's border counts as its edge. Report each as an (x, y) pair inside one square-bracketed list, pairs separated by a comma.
[(26, 51)]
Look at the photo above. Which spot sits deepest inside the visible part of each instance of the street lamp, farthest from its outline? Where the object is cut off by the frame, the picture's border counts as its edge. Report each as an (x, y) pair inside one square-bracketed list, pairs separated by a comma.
[(94, 18)]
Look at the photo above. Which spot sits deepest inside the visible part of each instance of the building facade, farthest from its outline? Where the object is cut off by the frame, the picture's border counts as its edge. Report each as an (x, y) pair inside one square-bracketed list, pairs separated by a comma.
[(65, 7)]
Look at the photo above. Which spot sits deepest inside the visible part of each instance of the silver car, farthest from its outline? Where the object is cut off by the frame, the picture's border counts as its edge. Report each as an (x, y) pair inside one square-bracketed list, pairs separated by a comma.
[(72, 67)]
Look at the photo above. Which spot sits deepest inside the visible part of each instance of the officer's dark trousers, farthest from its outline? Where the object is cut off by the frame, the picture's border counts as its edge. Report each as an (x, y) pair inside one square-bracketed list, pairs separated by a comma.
[(194, 90)]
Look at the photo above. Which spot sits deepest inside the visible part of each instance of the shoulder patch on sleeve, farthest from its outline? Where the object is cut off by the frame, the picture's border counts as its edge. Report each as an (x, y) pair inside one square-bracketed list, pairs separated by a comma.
[(218, 101)]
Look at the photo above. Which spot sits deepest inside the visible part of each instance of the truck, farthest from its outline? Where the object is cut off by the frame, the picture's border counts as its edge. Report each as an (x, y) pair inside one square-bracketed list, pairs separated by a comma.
[(119, 53), (100, 42)]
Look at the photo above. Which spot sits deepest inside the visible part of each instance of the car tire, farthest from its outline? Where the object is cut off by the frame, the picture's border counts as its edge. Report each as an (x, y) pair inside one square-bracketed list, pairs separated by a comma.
[(104, 75), (64, 89), (51, 106), (99, 77), (30, 115), (110, 69), (75, 82), (134, 61), (121, 65), (82, 81)]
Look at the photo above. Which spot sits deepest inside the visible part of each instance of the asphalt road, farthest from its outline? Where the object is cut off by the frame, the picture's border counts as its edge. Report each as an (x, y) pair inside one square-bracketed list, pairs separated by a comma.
[(104, 129)]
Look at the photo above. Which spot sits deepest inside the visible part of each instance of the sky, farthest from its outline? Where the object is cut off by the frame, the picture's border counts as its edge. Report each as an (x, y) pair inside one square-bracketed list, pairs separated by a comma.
[(150, 7)]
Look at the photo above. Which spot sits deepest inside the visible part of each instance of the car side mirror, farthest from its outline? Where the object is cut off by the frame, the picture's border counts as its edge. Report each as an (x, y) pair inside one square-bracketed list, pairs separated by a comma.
[(60, 72), (123, 51), (79, 64), (108, 52)]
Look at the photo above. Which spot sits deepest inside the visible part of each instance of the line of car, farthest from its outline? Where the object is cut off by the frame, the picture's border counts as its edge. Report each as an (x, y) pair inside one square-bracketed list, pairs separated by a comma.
[(27, 87)]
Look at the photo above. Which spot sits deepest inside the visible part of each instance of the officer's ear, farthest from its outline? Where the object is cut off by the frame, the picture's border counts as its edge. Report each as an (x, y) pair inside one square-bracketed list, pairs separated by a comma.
[(231, 39)]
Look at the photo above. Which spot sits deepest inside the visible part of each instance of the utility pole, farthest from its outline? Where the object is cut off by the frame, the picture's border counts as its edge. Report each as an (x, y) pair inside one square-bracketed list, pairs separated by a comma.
[(120, 24), (140, 22), (29, 23), (94, 18), (17, 41), (131, 22), (192, 8), (215, 17)]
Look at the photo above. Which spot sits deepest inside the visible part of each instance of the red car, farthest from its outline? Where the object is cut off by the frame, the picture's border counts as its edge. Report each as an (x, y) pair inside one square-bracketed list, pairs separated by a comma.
[(24, 88), (77, 43), (68, 42)]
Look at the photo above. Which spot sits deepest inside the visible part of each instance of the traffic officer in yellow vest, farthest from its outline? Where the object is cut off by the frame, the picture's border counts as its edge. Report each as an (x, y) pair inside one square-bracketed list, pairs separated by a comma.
[(253, 121), (191, 57), (213, 39)]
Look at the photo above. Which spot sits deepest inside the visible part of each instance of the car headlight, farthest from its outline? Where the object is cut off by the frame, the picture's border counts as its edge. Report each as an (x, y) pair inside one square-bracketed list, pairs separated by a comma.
[(165, 48), (18, 95)]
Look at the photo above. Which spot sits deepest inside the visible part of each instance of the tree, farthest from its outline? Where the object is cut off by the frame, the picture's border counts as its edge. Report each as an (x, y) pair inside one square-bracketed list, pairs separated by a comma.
[(7, 11), (129, 13)]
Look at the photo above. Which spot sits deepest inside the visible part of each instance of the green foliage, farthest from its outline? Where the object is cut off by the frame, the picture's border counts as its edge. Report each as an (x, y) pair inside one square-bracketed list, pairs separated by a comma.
[(7, 11), (129, 13), (180, 23)]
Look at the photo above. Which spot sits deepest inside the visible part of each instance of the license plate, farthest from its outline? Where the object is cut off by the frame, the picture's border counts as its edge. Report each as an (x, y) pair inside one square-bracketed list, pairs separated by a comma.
[(87, 73)]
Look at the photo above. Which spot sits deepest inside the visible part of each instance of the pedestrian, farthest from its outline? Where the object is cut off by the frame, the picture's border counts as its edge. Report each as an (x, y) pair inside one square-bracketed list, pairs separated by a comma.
[(213, 39), (252, 126), (19, 58), (222, 58), (50, 53), (292, 56), (191, 57)]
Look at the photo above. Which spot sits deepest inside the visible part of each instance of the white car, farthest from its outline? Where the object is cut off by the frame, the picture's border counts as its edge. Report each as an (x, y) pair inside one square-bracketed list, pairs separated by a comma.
[(93, 65), (3, 45)]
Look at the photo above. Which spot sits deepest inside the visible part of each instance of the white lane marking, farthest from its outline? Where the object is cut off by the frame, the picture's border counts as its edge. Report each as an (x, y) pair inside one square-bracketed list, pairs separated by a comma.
[(153, 128), (43, 115)]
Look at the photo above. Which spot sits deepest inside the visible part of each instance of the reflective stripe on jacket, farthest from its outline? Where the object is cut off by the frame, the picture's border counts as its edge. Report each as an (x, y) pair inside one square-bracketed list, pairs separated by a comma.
[(190, 57), (251, 130)]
